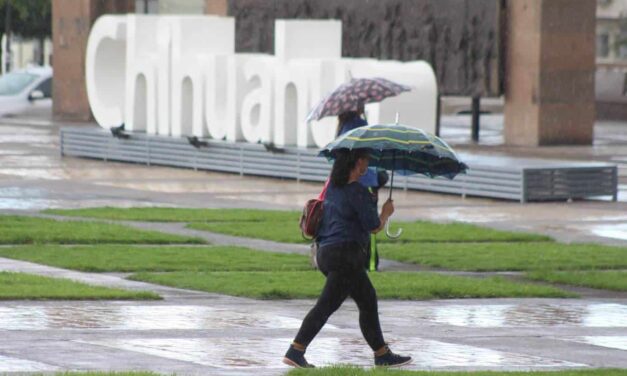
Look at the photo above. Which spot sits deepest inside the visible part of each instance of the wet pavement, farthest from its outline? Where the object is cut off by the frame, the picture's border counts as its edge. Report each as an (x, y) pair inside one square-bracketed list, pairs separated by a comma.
[(34, 176), (242, 336), (198, 333)]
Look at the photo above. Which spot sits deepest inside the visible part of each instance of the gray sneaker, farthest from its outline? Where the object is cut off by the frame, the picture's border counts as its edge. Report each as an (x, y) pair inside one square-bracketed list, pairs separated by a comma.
[(389, 359), (296, 358)]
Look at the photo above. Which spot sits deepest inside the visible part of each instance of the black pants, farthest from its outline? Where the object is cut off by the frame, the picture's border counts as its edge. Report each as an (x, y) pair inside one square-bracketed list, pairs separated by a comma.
[(343, 265)]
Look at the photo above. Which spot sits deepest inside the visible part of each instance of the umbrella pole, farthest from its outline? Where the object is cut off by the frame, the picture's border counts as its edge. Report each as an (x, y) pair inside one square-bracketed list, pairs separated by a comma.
[(391, 185), (387, 225), (392, 178)]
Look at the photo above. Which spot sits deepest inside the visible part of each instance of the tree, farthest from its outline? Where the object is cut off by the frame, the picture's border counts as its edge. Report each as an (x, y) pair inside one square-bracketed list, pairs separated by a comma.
[(28, 19)]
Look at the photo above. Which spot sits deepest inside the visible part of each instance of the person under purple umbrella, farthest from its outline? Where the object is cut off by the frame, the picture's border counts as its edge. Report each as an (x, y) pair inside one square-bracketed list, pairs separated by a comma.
[(373, 180)]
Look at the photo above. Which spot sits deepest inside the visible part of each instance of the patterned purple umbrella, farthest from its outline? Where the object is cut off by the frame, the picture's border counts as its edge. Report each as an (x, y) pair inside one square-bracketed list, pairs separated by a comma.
[(359, 91)]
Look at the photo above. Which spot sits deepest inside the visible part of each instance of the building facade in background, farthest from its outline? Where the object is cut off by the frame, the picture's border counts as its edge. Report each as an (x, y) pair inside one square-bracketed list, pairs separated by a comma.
[(611, 58), (549, 49), (611, 31)]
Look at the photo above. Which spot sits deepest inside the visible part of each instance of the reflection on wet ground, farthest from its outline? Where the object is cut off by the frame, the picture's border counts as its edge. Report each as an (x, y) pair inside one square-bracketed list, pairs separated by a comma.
[(27, 204), (8, 364), (234, 333), (24, 198), (192, 317), (27, 161), (518, 315), (35, 173), (130, 317), (28, 139), (616, 231), (613, 342), (216, 187), (267, 353)]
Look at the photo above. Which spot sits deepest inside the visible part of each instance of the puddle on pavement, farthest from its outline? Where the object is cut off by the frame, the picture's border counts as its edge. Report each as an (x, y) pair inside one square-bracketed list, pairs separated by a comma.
[(13, 152), (205, 185), (19, 192), (29, 139), (471, 215), (269, 198), (27, 204), (24, 198), (8, 364), (506, 315), (267, 353), (191, 317), (614, 231), (36, 173), (28, 161), (612, 342), (137, 318)]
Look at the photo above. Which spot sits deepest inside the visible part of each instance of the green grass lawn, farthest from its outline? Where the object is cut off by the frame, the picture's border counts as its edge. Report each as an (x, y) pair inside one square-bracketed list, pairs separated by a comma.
[(123, 258), (160, 214), (389, 285), (606, 280), (284, 231), (14, 286), (353, 371), (283, 225), (108, 374), (29, 230), (457, 232), (289, 232), (507, 256)]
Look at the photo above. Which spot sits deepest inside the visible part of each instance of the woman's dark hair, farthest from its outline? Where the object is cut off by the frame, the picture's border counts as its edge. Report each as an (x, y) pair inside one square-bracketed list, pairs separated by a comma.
[(344, 118), (345, 161)]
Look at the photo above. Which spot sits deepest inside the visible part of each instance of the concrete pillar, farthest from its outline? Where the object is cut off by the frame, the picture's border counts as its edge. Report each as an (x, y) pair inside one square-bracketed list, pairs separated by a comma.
[(217, 7), (549, 72), (71, 22)]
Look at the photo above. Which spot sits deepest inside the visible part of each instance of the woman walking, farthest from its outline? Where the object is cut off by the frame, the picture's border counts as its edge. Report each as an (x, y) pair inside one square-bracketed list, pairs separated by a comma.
[(373, 180), (349, 217)]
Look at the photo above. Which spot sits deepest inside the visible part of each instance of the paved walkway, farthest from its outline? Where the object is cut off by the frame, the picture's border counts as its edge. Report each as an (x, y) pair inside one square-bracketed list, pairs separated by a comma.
[(198, 333)]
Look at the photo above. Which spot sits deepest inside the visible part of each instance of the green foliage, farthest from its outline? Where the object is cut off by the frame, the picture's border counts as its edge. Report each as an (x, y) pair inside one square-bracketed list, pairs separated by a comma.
[(29, 18), (15, 286)]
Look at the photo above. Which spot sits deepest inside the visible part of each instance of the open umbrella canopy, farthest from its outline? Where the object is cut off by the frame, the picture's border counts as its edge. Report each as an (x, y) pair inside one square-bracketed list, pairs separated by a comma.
[(401, 149), (353, 94)]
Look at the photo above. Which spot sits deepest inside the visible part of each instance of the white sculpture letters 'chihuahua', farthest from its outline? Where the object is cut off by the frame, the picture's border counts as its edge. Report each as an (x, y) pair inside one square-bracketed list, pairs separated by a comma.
[(180, 76)]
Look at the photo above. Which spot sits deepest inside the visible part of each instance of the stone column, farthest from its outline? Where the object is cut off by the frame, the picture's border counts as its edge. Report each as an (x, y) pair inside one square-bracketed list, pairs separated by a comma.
[(549, 72), (71, 22), (217, 7)]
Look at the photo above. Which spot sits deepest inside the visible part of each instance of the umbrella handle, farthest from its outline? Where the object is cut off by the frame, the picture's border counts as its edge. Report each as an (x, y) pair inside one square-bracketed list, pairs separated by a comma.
[(392, 236)]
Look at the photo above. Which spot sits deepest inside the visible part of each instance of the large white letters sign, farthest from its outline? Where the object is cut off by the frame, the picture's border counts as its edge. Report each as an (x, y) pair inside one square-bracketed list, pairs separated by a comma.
[(180, 76)]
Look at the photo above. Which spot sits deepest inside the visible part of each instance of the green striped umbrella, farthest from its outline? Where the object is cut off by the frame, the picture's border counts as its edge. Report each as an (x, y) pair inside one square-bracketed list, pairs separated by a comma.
[(401, 149)]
